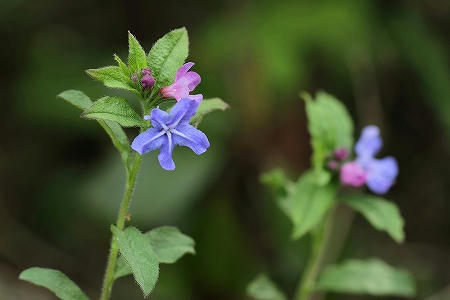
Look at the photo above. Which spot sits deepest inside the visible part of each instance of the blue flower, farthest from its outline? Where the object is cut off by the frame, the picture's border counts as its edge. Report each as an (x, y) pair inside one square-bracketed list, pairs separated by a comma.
[(380, 174), (169, 130)]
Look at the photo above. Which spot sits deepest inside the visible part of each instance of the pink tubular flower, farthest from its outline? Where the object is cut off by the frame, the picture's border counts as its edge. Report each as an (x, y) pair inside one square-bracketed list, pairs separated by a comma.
[(185, 82), (352, 174)]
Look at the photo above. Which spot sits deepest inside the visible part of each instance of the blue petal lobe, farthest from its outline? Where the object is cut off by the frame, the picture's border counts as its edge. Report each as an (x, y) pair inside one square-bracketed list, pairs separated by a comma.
[(148, 140), (368, 144), (189, 136), (182, 112), (381, 174), (165, 153), (159, 118)]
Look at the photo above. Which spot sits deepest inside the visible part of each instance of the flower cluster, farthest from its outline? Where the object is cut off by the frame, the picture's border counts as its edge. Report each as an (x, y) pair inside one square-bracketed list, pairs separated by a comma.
[(171, 129), (378, 174)]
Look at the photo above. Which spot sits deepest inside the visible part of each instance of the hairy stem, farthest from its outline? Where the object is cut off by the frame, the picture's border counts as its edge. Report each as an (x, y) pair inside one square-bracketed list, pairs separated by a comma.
[(319, 243), (108, 280)]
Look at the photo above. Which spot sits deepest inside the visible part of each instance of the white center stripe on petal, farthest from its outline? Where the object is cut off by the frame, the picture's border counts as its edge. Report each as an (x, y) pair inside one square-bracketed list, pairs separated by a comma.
[(155, 137), (174, 131)]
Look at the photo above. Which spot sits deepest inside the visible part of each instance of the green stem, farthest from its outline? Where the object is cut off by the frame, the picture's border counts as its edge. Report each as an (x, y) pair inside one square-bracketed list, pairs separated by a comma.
[(108, 280), (320, 240)]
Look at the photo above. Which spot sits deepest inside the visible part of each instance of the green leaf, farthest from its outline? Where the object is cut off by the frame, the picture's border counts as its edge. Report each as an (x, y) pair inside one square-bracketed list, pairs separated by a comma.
[(122, 65), (306, 203), (329, 124), (169, 245), (114, 109), (77, 98), (113, 77), (55, 281), (116, 133), (140, 257), (167, 55), (277, 180), (137, 59), (372, 277), (207, 106), (262, 288), (381, 214)]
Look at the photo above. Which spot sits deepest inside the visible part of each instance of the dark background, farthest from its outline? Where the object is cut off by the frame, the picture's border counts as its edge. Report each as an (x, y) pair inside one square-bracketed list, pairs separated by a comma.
[(61, 181)]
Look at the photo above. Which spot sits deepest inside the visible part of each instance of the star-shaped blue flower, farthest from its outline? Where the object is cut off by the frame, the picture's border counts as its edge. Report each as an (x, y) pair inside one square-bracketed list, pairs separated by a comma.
[(169, 130)]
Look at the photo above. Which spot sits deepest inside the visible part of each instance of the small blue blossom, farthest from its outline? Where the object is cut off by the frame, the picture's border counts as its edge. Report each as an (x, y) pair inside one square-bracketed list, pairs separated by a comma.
[(379, 174), (169, 130)]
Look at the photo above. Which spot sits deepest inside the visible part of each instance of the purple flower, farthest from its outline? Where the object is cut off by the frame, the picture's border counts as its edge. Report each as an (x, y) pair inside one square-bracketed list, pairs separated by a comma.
[(147, 81), (380, 174), (185, 82), (340, 154), (169, 130)]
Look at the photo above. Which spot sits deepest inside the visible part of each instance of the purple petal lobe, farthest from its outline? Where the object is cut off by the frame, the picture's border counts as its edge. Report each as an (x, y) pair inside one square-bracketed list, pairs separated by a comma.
[(165, 153), (182, 112), (381, 174), (368, 144), (192, 80), (352, 174), (189, 136), (183, 70), (159, 118), (197, 97), (147, 141)]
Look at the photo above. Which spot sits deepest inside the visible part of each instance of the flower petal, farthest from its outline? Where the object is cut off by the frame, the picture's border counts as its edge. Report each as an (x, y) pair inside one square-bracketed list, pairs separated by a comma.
[(381, 174), (197, 97), (189, 136), (352, 174), (147, 141), (165, 153), (183, 70), (368, 144), (159, 118), (192, 79), (182, 112)]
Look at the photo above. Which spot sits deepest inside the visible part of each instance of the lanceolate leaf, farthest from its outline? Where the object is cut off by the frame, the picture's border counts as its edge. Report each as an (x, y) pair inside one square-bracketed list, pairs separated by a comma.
[(167, 55), (307, 202), (137, 59), (372, 277), (262, 288), (116, 133), (140, 257), (329, 124), (207, 106), (381, 214), (169, 245), (114, 109), (55, 281), (113, 77), (122, 65)]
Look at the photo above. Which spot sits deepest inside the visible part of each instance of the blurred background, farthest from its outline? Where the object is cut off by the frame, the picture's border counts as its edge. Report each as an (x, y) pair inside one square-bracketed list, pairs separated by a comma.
[(61, 181)]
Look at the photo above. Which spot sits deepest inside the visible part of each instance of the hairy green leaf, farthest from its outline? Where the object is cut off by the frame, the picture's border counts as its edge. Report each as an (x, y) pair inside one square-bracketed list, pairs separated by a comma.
[(122, 65), (167, 55), (207, 106), (55, 281), (113, 77), (381, 214), (114, 109), (169, 245), (372, 277), (307, 202), (137, 59), (116, 133), (262, 288), (140, 257), (329, 124)]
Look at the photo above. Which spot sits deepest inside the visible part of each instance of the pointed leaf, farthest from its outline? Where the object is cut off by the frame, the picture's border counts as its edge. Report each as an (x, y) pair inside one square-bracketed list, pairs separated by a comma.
[(122, 65), (116, 133), (137, 59), (329, 124), (55, 281), (114, 109), (113, 77), (207, 106), (262, 288), (169, 245), (140, 257), (372, 277), (77, 98), (306, 203), (167, 55), (381, 214)]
